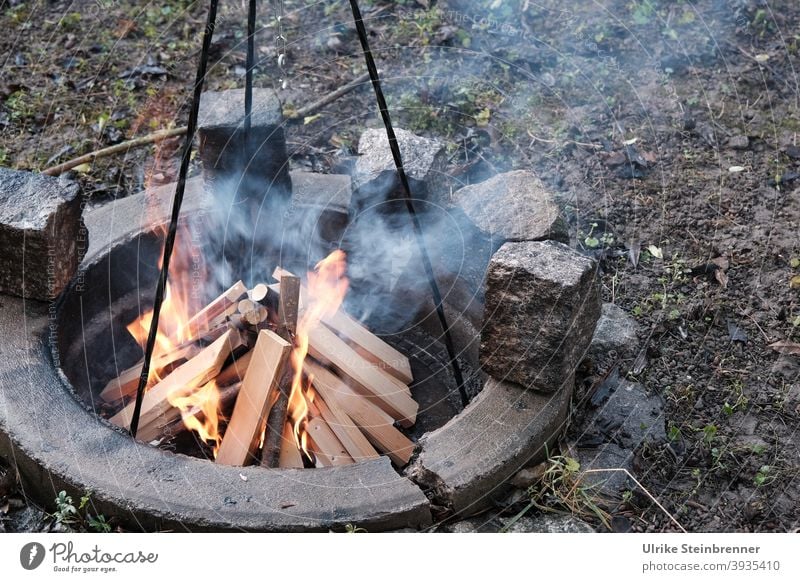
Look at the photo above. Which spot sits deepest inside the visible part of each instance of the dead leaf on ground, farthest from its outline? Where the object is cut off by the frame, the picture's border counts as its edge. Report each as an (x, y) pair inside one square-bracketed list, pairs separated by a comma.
[(786, 347)]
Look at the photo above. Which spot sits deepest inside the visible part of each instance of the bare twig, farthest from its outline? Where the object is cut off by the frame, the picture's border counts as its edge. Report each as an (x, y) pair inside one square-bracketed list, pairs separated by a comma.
[(178, 131), (642, 487), (329, 98), (115, 149)]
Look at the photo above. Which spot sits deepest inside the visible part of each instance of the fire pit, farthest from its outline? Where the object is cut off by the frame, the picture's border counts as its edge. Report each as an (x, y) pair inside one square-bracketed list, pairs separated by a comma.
[(52, 425)]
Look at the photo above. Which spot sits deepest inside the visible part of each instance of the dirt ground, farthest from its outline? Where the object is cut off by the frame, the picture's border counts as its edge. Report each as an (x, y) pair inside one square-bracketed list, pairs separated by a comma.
[(667, 129)]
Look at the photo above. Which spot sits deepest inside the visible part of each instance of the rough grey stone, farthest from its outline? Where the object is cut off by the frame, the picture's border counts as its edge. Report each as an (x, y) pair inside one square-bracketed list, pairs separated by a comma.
[(325, 200), (466, 463), (223, 110), (630, 417), (326, 190), (615, 332), (739, 142), (528, 476), (541, 306), (547, 523), (480, 524), (375, 179), (515, 206), (606, 456), (41, 233), (250, 182)]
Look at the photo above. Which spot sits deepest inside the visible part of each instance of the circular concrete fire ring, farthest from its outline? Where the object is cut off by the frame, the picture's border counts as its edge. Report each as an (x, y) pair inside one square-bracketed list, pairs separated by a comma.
[(58, 443)]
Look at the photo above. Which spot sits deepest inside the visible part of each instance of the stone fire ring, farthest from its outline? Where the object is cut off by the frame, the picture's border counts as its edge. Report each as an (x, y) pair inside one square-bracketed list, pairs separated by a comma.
[(57, 444)]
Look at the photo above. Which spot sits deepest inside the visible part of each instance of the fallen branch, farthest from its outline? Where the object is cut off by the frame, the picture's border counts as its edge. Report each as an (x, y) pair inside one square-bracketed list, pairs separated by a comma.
[(163, 134), (115, 149), (312, 108)]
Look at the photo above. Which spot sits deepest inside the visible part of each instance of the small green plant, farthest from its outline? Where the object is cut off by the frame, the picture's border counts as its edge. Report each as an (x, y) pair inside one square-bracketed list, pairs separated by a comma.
[(66, 513), (764, 476), (78, 518), (562, 485), (737, 396), (709, 434), (673, 433), (350, 528)]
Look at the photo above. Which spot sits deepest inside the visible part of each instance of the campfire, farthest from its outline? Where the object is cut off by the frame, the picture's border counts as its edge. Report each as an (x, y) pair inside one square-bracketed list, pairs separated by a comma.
[(278, 375)]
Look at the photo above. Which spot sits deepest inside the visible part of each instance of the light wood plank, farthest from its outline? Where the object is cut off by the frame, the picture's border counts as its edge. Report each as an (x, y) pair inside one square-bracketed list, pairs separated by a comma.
[(390, 394), (376, 425), (260, 383), (353, 440), (328, 450), (290, 457)]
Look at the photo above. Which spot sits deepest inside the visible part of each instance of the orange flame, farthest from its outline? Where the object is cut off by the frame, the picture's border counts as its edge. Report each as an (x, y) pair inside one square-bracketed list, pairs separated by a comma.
[(205, 399), (178, 307), (327, 286)]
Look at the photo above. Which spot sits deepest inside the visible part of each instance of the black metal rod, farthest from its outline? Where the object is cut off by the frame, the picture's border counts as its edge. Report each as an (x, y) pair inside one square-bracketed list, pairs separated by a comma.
[(177, 201), (398, 162), (248, 77)]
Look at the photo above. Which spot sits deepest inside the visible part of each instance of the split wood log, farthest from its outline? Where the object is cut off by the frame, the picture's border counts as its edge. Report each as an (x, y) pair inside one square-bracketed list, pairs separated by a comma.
[(386, 392), (235, 371), (353, 440), (258, 293), (287, 326), (128, 381), (256, 395), (328, 451), (290, 456), (194, 373), (202, 321), (375, 424), (379, 351), (288, 306)]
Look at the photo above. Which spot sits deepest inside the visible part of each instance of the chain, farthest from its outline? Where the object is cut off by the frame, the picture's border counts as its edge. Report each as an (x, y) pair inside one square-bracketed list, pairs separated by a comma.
[(280, 42)]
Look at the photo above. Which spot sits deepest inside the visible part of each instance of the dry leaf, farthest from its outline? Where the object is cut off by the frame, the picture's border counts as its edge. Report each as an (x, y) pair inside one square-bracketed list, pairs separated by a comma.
[(655, 251), (786, 347), (721, 278)]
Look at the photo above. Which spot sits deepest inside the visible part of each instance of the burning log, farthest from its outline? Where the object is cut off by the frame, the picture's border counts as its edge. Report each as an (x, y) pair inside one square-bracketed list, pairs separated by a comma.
[(222, 306), (126, 383), (194, 373), (288, 306), (287, 327), (391, 394), (370, 346), (255, 397), (179, 420), (235, 371), (376, 425)]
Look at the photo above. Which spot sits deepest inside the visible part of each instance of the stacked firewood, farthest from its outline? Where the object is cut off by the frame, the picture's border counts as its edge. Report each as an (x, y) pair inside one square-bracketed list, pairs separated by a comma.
[(236, 355)]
